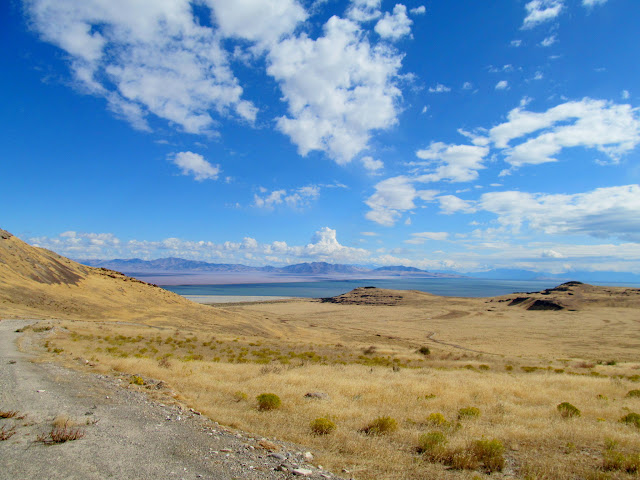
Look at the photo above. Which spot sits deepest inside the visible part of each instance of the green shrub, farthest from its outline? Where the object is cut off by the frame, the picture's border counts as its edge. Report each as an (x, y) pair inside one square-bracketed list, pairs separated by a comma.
[(136, 380), (436, 419), (240, 396), (631, 419), (614, 460), (633, 393), (268, 401), (430, 396), (381, 426), (432, 441), (526, 369), (484, 367), (424, 351), (567, 410), (490, 453), (468, 412), (322, 426), (508, 368)]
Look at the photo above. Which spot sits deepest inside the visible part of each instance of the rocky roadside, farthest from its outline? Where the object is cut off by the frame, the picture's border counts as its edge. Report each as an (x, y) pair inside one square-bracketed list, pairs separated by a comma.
[(124, 432)]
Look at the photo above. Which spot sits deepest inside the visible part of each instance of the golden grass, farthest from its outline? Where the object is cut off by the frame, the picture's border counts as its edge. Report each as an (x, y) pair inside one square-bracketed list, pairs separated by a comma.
[(222, 377)]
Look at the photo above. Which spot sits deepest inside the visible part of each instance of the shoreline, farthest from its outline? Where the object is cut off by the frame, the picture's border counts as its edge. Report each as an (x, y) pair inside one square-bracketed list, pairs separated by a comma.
[(208, 299)]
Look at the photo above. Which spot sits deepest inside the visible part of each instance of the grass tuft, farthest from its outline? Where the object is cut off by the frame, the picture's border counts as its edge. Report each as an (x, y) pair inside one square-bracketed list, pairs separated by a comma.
[(567, 410), (381, 426), (468, 412), (60, 435), (631, 419), (322, 426), (6, 433)]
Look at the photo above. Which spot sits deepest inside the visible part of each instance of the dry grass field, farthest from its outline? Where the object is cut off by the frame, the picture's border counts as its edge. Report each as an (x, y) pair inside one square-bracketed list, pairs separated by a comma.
[(515, 366), (410, 385)]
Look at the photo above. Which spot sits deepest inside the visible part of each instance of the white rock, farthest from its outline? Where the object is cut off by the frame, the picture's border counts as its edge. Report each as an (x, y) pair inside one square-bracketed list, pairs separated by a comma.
[(308, 456), (303, 472)]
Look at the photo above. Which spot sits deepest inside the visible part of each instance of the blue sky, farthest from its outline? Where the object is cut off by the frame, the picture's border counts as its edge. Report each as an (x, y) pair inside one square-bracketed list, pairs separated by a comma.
[(447, 135)]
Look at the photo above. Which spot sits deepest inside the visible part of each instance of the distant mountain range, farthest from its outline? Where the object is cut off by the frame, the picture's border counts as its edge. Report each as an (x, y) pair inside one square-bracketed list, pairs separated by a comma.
[(180, 265)]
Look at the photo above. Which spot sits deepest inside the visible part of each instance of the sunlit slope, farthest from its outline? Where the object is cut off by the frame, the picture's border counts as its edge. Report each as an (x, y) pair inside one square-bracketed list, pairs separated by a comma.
[(38, 282)]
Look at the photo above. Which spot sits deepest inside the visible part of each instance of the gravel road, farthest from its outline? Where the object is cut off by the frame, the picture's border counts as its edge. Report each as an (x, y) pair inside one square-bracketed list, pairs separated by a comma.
[(126, 435)]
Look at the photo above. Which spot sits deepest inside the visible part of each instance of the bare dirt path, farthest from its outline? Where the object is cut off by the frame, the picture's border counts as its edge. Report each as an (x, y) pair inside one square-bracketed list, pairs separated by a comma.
[(126, 435)]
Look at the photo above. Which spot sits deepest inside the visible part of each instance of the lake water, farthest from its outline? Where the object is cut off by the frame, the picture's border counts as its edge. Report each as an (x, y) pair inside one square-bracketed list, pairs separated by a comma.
[(452, 287)]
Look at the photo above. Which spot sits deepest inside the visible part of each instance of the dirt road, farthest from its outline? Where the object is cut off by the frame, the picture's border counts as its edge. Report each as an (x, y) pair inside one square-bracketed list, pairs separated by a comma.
[(126, 436)]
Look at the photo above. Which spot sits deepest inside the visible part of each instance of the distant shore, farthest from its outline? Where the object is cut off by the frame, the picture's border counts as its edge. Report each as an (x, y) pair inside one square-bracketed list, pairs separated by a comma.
[(233, 298)]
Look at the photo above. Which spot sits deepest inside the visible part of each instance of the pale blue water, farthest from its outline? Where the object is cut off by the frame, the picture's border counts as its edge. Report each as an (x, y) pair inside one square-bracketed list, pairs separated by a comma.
[(456, 287)]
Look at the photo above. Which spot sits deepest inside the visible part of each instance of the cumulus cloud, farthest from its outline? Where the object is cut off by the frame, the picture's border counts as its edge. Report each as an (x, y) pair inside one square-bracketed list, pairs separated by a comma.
[(194, 164), (364, 10), (324, 246), (455, 163), (450, 204), (338, 88), (602, 213), (439, 88), (297, 198), (148, 58), (540, 11), (610, 128), (393, 196), (502, 85), (421, 10), (394, 25), (260, 21), (371, 164)]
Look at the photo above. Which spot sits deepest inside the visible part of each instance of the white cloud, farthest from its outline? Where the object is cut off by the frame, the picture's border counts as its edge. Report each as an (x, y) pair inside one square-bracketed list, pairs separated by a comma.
[(364, 10), (297, 198), (548, 41), (392, 196), (369, 234), (324, 246), (421, 237), (269, 201), (502, 85), (625, 95), (539, 11), (424, 109), (260, 21), (450, 204), (467, 86), (516, 43), (456, 163), (439, 88), (394, 26), (602, 213), (611, 129), (339, 88), (147, 58), (592, 3), (421, 10), (538, 76), (371, 164), (194, 164)]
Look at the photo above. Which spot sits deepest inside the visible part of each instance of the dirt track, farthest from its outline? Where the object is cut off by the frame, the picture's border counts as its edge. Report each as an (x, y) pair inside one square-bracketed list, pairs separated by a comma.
[(126, 434)]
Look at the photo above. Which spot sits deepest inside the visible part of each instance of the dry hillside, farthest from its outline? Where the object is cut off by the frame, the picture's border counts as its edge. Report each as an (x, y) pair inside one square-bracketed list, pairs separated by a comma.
[(35, 282)]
